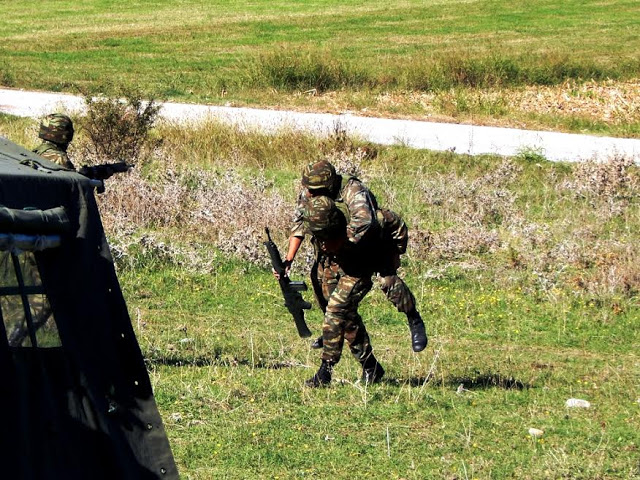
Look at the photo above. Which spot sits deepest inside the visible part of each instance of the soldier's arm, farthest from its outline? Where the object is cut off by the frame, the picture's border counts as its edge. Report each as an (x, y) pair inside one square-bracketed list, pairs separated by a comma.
[(57, 157), (362, 211), (294, 246), (68, 164), (296, 235)]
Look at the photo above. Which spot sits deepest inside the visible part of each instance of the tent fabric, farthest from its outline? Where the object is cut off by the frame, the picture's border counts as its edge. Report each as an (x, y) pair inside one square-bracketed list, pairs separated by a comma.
[(18, 242), (54, 220), (84, 409)]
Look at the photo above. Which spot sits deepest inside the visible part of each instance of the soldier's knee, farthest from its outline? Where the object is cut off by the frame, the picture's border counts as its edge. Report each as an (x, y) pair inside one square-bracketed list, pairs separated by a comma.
[(338, 311), (351, 329)]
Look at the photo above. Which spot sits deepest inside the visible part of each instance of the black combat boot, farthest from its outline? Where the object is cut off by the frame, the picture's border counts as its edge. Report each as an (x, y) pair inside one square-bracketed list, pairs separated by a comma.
[(418, 334), (322, 376), (372, 371), (317, 343)]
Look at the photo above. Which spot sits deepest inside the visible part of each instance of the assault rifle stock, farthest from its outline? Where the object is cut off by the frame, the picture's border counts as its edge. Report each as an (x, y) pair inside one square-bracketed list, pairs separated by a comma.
[(104, 171), (290, 290)]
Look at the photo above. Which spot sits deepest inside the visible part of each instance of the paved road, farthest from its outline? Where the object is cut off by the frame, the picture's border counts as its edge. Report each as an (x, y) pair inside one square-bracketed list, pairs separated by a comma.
[(469, 139)]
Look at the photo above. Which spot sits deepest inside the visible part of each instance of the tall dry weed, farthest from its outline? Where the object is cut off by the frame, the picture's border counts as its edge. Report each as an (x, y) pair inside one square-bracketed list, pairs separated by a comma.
[(233, 212), (609, 187), (613, 267), (571, 247), (132, 201), (171, 211), (482, 201), (471, 210), (220, 208), (458, 242)]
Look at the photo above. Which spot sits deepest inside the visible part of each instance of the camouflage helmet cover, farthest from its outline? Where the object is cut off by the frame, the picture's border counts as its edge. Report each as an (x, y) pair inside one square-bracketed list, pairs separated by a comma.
[(57, 128), (322, 218), (319, 175)]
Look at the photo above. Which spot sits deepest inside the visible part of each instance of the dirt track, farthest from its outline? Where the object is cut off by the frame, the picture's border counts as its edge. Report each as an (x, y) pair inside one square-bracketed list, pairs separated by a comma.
[(469, 139)]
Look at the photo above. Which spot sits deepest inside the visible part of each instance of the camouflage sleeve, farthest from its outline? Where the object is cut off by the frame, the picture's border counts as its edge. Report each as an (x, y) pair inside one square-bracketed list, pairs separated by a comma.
[(54, 154), (59, 158), (362, 210), (297, 228), (67, 163)]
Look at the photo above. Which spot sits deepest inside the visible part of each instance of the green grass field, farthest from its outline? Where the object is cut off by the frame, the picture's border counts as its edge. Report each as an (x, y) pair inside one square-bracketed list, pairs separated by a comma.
[(452, 60), (525, 271), (228, 377)]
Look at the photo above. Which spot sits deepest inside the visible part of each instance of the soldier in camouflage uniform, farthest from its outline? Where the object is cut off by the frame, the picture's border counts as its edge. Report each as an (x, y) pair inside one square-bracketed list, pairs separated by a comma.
[(344, 273), (367, 226), (56, 132)]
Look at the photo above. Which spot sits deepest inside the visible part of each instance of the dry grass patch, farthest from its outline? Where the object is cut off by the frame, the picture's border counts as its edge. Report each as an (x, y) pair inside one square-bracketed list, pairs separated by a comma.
[(610, 102)]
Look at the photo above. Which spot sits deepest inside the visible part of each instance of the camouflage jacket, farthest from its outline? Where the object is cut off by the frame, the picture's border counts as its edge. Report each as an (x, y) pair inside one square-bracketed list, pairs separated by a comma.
[(358, 204), (54, 153)]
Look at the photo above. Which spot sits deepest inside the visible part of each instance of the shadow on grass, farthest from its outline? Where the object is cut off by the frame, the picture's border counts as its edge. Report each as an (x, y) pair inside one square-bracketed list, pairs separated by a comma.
[(216, 359), (477, 382), (487, 380)]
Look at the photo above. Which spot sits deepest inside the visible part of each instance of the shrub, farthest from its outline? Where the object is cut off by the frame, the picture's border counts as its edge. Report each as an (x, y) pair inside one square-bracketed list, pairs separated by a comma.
[(118, 129)]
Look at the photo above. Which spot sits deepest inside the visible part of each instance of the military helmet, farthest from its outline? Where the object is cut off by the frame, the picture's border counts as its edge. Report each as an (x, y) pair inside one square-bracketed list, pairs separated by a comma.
[(322, 218), (319, 175), (57, 128)]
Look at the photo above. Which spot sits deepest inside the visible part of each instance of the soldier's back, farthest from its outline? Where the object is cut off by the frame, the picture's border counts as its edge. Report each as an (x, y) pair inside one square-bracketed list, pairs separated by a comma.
[(53, 153)]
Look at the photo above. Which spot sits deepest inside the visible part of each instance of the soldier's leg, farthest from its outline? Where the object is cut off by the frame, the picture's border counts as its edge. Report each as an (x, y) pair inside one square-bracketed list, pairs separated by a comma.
[(332, 339), (324, 275), (343, 299), (342, 321), (317, 276), (349, 293), (343, 306), (399, 294), (317, 280), (355, 333), (393, 286)]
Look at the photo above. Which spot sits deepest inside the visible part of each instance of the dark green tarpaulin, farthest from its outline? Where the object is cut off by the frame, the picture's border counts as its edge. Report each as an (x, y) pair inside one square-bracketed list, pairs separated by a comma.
[(83, 409)]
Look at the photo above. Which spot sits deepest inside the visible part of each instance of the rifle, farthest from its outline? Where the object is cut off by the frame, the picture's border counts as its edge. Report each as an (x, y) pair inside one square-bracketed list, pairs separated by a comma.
[(103, 171), (290, 290)]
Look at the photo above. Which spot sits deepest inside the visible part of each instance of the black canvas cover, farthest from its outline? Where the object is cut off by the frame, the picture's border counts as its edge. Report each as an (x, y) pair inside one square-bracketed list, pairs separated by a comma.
[(75, 396)]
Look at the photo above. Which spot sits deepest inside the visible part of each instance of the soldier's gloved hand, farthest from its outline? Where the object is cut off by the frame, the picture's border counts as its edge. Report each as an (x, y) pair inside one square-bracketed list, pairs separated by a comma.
[(287, 268)]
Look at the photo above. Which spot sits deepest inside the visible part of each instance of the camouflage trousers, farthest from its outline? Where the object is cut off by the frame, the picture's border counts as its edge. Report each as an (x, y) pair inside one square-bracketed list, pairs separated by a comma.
[(339, 296), (394, 288), (398, 293)]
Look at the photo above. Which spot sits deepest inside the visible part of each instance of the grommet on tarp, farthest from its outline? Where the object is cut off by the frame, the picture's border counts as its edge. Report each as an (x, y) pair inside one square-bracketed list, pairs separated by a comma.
[(112, 408)]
